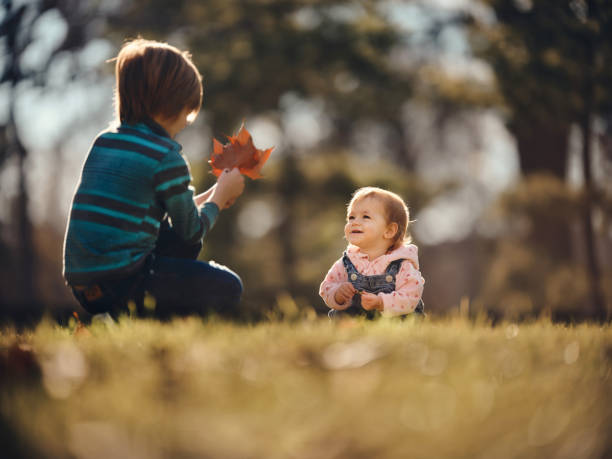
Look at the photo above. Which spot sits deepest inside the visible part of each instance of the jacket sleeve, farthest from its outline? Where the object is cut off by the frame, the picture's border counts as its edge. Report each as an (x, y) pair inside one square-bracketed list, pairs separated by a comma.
[(335, 276), (173, 191), (408, 290)]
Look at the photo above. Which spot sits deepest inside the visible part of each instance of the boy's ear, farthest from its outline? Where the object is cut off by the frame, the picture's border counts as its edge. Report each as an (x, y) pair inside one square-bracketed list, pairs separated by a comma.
[(391, 231)]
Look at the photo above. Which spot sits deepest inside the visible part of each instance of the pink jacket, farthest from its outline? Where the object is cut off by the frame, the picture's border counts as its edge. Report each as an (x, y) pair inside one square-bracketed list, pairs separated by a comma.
[(408, 282)]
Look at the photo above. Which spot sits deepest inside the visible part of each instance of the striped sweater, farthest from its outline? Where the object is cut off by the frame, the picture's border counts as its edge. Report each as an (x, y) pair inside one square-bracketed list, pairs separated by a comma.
[(134, 176)]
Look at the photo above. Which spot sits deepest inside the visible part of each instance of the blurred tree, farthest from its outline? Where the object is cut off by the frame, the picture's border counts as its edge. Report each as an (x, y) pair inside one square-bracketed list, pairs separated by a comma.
[(551, 62), (253, 52), (19, 33), (10, 30)]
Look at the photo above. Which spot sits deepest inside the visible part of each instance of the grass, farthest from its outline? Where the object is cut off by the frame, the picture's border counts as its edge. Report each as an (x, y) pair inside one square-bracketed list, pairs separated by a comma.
[(310, 389)]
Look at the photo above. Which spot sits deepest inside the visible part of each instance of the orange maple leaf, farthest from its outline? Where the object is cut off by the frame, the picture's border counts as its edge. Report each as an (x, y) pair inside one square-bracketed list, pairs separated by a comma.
[(240, 152)]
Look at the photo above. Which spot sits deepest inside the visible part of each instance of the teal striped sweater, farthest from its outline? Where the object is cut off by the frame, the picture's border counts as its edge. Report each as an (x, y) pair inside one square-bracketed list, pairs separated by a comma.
[(133, 176)]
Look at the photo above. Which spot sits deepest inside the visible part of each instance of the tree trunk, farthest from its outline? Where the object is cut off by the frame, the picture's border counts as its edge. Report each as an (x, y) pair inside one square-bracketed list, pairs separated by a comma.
[(597, 297), (289, 185), (23, 225), (401, 146), (543, 148)]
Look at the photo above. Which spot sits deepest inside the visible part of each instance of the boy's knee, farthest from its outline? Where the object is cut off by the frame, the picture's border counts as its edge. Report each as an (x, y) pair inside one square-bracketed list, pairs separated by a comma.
[(231, 281), (226, 301), (234, 285), (239, 285)]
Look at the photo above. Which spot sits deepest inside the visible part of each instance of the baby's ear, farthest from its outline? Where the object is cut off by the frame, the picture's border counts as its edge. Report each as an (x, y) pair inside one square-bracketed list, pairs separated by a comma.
[(391, 231)]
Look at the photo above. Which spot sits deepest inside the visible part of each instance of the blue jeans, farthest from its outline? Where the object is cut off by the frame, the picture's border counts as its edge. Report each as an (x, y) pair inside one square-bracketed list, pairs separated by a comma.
[(170, 283), (181, 286)]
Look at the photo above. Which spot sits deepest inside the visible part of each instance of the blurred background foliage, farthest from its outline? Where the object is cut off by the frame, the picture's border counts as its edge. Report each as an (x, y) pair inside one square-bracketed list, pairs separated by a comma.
[(493, 119)]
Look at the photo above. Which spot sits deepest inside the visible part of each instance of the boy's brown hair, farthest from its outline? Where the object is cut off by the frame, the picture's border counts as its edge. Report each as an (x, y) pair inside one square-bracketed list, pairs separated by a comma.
[(396, 211), (155, 79)]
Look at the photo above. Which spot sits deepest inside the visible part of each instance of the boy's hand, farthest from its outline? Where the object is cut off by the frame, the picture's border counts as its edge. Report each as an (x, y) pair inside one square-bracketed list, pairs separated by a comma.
[(344, 293), (230, 185), (370, 301), (229, 203)]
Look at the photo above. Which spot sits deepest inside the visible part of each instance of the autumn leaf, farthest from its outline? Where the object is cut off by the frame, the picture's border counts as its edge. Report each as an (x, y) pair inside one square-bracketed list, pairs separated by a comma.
[(240, 152)]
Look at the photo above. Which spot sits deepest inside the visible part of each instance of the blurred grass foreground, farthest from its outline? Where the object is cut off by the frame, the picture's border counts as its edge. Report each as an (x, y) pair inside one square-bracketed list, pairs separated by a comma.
[(310, 389)]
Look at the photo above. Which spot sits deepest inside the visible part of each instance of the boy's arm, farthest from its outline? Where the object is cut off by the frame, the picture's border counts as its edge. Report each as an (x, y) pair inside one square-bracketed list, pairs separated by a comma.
[(173, 190), (201, 198), (408, 290), (336, 276)]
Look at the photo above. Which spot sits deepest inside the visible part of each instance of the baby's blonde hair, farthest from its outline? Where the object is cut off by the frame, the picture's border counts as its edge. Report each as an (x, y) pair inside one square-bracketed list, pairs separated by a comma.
[(395, 208)]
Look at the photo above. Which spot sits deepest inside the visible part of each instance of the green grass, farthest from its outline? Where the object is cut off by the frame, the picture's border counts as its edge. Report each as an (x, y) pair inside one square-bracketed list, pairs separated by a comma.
[(313, 389)]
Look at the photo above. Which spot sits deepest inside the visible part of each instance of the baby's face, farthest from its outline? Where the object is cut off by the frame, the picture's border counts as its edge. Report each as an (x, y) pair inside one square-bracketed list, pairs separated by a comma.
[(366, 224)]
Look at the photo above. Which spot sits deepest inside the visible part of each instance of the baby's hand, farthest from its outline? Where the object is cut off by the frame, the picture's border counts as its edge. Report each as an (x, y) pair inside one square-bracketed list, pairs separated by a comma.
[(370, 302), (344, 293)]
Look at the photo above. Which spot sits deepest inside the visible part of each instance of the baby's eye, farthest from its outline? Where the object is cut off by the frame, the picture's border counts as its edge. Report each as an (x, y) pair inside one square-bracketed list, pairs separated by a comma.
[(366, 216), (351, 217)]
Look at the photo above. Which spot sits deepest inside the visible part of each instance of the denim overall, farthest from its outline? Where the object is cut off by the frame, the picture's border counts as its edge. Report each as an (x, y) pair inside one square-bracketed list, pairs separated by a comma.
[(377, 283)]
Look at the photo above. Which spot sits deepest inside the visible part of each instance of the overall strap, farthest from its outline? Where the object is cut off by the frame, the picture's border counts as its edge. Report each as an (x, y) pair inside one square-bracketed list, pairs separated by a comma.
[(354, 277), (348, 265), (394, 267)]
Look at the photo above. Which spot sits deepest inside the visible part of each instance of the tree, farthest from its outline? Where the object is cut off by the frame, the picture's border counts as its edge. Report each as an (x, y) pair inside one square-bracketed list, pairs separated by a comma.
[(17, 31), (550, 59), (254, 52)]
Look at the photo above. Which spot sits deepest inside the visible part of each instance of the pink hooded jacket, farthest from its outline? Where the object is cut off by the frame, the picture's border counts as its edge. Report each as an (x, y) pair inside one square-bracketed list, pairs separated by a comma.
[(408, 282)]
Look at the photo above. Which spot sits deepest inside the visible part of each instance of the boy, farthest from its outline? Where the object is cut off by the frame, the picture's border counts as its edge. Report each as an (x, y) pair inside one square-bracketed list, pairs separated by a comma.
[(135, 227)]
